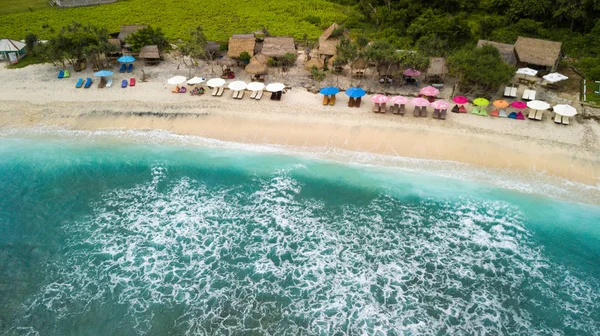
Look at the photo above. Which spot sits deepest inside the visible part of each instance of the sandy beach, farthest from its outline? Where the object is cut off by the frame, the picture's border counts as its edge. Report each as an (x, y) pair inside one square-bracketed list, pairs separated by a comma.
[(34, 97)]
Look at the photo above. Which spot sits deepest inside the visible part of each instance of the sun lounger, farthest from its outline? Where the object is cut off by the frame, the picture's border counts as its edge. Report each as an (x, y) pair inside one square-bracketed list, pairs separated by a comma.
[(520, 116), (394, 109), (557, 118), (280, 93), (132, 82), (61, 74), (123, 68), (221, 91), (67, 74), (483, 112), (417, 112), (513, 92), (124, 84), (531, 114), (532, 94), (234, 93), (259, 95), (455, 109), (502, 113), (443, 114), (383, 108), (539, 115), (376, 108), (351, 102), (436, 114), (241, 94), (109, 82), (130, 67), (79, 83), (214, 91), (475, 110), (512, 115), (331, 101), (462, 109), (495, 113), (88, 83), (507, 91), (325, 99), (401, 109), (357, 102), (424, 111), (102, 83), (253, 94), (565, 120)]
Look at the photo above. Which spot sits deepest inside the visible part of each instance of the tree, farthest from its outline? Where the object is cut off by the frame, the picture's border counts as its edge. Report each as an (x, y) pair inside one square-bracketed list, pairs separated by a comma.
[(147, 36), (346, 52), (480, 69), (245, 57), (381, 52), (318, 75), (195, 47), (287, 60), (30, 42)]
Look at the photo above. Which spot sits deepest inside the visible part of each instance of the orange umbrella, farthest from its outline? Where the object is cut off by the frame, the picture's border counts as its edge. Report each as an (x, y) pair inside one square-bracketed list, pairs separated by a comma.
[(501, 103)]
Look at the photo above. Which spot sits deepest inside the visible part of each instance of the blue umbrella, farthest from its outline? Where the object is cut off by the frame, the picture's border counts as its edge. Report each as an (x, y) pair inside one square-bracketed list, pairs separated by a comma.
[(126, 59), (103, 73), (329, 90), (355, 92)]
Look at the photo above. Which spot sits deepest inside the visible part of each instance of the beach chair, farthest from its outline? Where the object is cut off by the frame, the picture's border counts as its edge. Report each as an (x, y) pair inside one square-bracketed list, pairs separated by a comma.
[(331, 101), (79, 83), (394, 109), (130, 68), (436, 114), (507, 91), (132, 82), (351, 102), (124, 84), (565, 120), (88, 83), (376, 108), (109, 82), (557, 118), (455, 109), (280, 93), (234, 93), (401, 109), (253, 94), (520, 116), (502, 113), (123, 68), (102, 83), (531, 114), (383, 108), (274, 96), (61, 74), (512, 115), (214, 91), (416, 112), (539, 115), (462, 109), (483, 112), (443, 114), (241, 94), (513, 92), (220, 92), (259, 95), (357, 102), (475, 110), (325, 99), (532, 94), (67, 74), (495, 113), (424, 111)]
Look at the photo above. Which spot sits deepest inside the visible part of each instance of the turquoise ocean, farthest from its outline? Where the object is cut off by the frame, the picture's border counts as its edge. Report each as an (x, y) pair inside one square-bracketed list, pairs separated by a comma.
[(149, 233)]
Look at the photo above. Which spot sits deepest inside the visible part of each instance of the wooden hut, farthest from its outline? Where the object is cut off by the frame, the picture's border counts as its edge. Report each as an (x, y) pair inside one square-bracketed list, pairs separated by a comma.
[(129, 29), (314, 62), (538, 54), (240, 43), (507, 51), (437, 68), (278, 46), (327, 43), (257, 65), (150, 54)]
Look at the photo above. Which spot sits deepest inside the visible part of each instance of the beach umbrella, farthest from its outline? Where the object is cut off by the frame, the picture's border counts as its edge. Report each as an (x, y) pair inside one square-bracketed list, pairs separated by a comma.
[(430, 91), (275, 87), (555, 77), (501, 103), (481, 102), (355, 92), (215, 82), (176, 80), (411, 73), (237, 86), (329, 90), (527, 71), (126, 59), (400, 100), (518, 105), (440, 105), (255, 86), (460, 100), (103, 73), (196, 80), (565, 110), (421, 102), (538, 105), (379, 99)]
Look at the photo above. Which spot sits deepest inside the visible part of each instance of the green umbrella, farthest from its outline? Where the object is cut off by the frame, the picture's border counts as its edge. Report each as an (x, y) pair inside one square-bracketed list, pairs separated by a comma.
[(481, 102)]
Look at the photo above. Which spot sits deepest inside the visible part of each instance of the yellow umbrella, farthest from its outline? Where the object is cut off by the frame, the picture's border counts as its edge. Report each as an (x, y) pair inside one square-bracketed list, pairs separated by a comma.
[(481, 102)]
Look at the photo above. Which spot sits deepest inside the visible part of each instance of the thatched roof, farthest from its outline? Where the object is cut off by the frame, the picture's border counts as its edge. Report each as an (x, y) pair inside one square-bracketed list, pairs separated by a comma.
[(212, 46), (278, 46), (257, 65), (538, 52), (226, 61), (507, 51), (314, 62), (360, 63), (437, 66), (240, 43), (116, 42), (149, 52), (126, 30), (327, 44)]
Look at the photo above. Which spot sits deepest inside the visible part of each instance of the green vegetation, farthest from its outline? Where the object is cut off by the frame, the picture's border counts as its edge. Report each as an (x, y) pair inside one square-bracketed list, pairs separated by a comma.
[(591, 96), (480, 69), (19, 6), (219, 19), (152, 36), (25, 61)]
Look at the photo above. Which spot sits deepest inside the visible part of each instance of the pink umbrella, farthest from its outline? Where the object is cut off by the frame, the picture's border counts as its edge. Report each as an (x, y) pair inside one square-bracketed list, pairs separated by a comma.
[(380, 99), (399, 100), (518, 105), (430, 91), (460, 100), (421, 102), (411, 73), (440, 105)]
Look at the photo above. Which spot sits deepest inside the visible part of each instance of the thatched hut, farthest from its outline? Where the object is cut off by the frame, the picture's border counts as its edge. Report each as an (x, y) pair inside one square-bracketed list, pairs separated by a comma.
[(278, 46), (129, 29), (437, 68), (314, 62), (360, 64), (327, 43), (507, 51), (239, 43), (226, 62), (150, 54), (116, 43), (257, 65), (538, 54)]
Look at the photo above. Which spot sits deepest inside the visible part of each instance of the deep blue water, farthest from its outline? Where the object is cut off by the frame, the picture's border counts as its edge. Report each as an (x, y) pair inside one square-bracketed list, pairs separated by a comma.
[(110, 237)]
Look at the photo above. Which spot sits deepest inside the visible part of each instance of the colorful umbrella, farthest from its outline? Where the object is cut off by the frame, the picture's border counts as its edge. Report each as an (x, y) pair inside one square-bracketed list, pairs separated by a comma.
[(105, 73), (538, 105), (565, 110), (501, 103), (215, 82), (460, 100), (421, 102), (481, 102), (518, 105), (399, 100), (355, 92), (256, 86), (411, 73), (380, 99), (126, 59), (237, 86), (275, 87), (430, 91), (329, 90), (527, 71), (555, 77), (440, 105)]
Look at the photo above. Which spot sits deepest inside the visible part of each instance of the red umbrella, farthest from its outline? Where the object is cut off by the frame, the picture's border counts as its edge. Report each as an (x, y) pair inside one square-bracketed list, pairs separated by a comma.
[(460, 100), (518, 105)]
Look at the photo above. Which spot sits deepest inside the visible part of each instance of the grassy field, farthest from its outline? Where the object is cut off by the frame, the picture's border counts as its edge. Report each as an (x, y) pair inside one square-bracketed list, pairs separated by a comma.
[(20, 6), (591, 96), (219, 18)]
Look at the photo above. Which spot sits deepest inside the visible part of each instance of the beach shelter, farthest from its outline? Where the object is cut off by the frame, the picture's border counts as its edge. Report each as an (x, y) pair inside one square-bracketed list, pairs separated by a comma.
[(177, 80), (275, 87), (126, 59), (460, 100), (103, 73), (380, 99), (527, 72), (12, 50), (215, 82), (565, 110), (500, 110), (255, 86), (411, 73), (329, 90), (355, 92), (420, 102), (429, 91), (399, 100), (555, 77), (237, 86), (440, 105), (480, 106), (196, 80), (537, 109)]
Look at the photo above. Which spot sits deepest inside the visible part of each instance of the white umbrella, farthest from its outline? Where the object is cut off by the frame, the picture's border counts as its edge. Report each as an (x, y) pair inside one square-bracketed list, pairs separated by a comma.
[(255, 86), (176, 80), (196, 80), (237, 85), (565, 110), (555, 77), (275, 87), (538, 105), (215, 82), (527, 71)]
